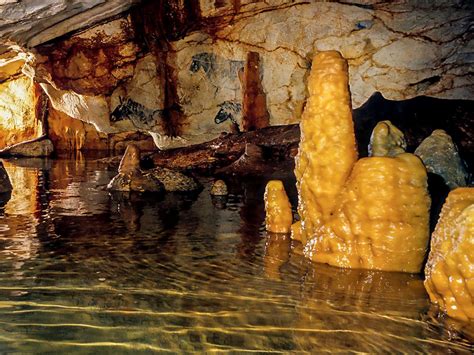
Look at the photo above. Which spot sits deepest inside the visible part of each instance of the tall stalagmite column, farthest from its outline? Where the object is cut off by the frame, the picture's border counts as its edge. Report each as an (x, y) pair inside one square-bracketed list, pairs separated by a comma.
[(372, 213), (327, 150)]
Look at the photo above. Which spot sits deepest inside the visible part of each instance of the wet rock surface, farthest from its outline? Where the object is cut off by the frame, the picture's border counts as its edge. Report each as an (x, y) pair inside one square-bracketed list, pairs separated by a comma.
[(449, 274), (219, 188), (5, 184), (279, 216), (386, 140), (348, 208), (131, 178), (42, 147), (175, 181), (441, 157)]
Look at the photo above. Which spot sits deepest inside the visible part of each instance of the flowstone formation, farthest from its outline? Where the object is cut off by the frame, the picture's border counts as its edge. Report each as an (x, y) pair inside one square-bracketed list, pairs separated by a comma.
[(130, 176), (441, 157), (449, 271), (278, 208), (372, 213), (386, 140)]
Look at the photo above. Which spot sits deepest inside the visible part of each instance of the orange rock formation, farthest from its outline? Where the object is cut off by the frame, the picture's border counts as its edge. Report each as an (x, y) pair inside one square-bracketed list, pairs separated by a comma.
[(278, 208), (371, 214), (449, 271)]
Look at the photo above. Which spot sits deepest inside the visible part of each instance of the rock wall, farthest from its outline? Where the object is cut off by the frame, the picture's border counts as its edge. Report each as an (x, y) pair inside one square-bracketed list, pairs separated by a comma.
[(18, 118), (69, 135), (176, 69)]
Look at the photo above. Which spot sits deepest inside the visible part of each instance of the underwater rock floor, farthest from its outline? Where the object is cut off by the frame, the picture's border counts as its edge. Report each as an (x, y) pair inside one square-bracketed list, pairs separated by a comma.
[(83, 271)]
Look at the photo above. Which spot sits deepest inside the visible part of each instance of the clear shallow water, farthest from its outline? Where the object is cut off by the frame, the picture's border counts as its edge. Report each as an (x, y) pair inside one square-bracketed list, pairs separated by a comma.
[(82, 271)]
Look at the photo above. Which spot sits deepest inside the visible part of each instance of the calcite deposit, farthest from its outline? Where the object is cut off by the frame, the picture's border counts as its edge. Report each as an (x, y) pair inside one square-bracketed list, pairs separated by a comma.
[(386, 140), (278, 208), (327, 150), (373, 213), (131, 177), (440, 156), (382, 221), (449, 271)]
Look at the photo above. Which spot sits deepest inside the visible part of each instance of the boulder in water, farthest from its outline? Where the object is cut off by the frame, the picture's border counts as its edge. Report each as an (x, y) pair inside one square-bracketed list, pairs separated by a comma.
[(441, 157)]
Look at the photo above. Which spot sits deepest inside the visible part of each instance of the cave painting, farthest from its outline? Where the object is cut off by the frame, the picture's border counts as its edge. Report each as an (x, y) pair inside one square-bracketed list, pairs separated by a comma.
[(372, 213), (141, 116)]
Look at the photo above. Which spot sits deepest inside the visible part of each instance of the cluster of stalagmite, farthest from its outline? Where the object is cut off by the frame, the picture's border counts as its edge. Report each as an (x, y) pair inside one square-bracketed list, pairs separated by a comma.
[(450, 268), (372, 213)]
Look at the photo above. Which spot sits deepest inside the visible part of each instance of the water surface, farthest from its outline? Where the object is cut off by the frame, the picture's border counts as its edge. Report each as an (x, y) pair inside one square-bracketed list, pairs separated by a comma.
[(82, 271)]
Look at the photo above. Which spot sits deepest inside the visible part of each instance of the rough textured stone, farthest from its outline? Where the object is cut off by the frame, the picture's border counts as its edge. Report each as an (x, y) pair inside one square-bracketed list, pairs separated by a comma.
[(199, 51), (33, 22), (5, 184), (175, 181), (41, 147), (18, 119), (355, 214), (386, 140), (449, 270), (131, 178), (279, 216), (441, 157), (219, 188)]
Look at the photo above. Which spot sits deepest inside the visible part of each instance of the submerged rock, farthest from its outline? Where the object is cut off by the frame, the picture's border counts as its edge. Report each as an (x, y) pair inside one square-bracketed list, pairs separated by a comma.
[(449, 271), (386, 140), (35, 148), (5, 184), (175, 181), (219, 188), (278, 208), (130, 176), (441, 157)]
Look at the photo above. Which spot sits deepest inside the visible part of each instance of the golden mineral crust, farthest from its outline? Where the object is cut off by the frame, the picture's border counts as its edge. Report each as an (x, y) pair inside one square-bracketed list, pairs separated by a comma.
[(327, 150), (450, 268), (382, 222), (278, 208), (372, 213)]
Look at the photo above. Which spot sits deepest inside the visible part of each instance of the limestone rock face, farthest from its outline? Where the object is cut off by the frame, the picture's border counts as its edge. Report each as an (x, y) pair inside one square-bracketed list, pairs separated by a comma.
[(241, 60), (18, 119), (41, 147), (441, 157), (30, 23), (386, 140), (5, 184), (449, 271), (131, 178), (175, 181)]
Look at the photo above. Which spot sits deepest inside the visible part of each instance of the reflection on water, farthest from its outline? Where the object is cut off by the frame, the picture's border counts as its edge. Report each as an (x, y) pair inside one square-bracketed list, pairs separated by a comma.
[(85, 271)]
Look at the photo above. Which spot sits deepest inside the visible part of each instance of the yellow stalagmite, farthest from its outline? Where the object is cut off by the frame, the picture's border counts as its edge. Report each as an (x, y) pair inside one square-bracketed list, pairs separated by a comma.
[(382, 222), (278, 208), (386, 140), (450, 268), (372, 214), (327, 150)]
